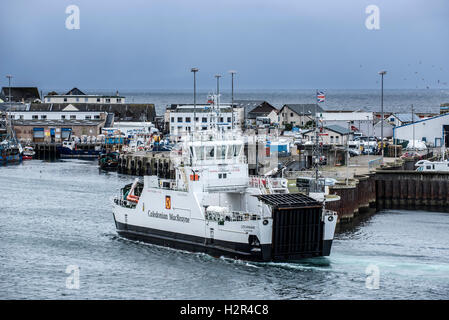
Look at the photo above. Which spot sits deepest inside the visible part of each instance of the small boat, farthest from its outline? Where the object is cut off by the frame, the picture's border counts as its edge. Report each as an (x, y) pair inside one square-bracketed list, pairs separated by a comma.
[(9, 153), (28, 153), (69, 150), (108, 161)]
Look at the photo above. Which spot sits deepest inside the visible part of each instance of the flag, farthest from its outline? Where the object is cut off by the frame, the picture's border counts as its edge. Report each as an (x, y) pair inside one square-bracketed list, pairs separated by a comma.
[(320, 97)]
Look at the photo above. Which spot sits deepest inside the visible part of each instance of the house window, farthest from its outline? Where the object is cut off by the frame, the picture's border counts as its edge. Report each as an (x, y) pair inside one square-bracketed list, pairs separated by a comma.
[(34, 117), (172, 119), (221, 119), (179, 119), (188, 119), (48, 99), (97, 117), (65, 99), (119, 100), (291, 114), (197, 119), (337, 139), (204, 120), (21, 117), (332, 139), (108, 100), (86, 99), (88, 117), (43, 116), (77, 99), (72, 117), (98, 99), (62, 117), (229, 119)]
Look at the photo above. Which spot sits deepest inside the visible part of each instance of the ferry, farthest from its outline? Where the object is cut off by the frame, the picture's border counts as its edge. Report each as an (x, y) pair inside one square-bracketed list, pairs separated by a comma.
[(209, 203)]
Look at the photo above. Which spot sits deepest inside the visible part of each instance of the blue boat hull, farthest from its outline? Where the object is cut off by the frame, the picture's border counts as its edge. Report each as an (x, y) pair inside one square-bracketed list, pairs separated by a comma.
[(10, 159), (66, 153)]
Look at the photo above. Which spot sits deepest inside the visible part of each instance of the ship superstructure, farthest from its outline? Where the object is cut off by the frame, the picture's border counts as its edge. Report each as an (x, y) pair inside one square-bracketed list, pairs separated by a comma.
[(211, 204)]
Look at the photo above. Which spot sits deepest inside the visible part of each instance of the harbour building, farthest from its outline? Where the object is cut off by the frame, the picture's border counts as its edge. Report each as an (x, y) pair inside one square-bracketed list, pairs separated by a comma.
[(432, 131)]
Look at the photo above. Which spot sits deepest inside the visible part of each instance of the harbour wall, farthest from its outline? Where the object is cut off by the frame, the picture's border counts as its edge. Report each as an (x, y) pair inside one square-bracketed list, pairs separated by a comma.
[(396, 189), (140, 164), (359, 196), (391, 189)]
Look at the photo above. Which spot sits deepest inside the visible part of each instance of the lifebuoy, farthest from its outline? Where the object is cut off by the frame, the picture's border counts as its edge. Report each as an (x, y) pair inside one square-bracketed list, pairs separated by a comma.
[(132, 198)]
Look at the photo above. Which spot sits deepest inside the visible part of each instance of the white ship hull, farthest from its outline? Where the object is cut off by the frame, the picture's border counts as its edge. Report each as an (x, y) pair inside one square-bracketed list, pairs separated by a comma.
[(183, 224)]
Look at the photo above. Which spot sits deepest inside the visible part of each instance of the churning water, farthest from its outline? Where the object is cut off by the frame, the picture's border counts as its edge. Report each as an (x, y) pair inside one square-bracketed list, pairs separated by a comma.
[(57, 214)]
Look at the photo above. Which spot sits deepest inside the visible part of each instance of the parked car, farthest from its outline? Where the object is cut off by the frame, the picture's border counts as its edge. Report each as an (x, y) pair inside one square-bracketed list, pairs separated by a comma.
[(411, 154)]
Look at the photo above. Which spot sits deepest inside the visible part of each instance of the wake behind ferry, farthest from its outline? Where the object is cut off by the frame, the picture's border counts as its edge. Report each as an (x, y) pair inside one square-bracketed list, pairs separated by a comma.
[(212, 205)]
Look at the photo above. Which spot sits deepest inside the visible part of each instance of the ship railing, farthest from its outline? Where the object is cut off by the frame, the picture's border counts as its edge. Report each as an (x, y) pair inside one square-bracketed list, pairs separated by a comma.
[(170, 184), (232, 216), (118, 200), (268, 185)]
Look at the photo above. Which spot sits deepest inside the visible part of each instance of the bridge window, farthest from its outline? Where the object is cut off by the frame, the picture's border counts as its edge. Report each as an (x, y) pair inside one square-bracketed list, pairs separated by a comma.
[(221, 152), (210, 153), (233, 151), (199, 153)]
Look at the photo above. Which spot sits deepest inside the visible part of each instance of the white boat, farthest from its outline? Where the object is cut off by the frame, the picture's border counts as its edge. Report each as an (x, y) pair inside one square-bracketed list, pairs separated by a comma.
[(28, 153), (212, 205)]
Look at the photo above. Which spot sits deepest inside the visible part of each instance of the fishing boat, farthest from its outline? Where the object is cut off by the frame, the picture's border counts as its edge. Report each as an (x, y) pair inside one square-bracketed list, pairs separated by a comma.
[(69, 150), (28, 153), (210, 204), (10, 148), (10, 153)]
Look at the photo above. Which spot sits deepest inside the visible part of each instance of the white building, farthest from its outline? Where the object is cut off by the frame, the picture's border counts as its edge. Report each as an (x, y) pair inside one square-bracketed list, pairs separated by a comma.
[(399, 119), (388, 129), (330, 135), (431, 130), (181, 118), (68, 114), (358, 120), (77, 96)]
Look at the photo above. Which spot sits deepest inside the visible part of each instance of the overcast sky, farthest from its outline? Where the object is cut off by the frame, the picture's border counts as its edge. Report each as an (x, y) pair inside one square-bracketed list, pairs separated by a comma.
[(290, 44)]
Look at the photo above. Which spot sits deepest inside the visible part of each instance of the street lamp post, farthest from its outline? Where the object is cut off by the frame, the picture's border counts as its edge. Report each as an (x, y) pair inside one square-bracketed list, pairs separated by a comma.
[(382, 73), (232, 72), (218, 76), (347, 154), (194, 70)]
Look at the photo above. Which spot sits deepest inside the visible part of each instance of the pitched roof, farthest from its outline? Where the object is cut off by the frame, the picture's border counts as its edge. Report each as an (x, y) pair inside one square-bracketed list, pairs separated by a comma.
[(304, 108), (27, 94), (261, 110), (249, 105), (404, 117), (75, 92), (338, 129)]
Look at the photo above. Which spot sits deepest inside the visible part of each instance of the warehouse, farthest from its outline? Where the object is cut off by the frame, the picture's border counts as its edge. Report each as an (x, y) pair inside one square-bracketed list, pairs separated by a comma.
[(429, 130)]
